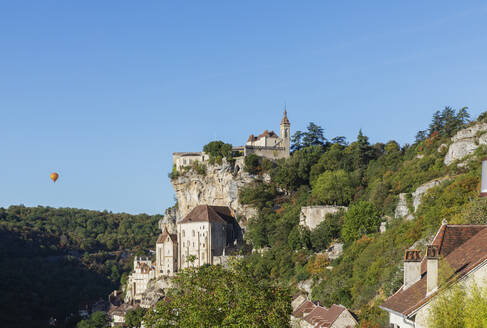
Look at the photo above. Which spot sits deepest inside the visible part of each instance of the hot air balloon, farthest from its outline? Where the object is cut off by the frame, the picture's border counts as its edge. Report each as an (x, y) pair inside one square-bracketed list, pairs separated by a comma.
[(54, 176)]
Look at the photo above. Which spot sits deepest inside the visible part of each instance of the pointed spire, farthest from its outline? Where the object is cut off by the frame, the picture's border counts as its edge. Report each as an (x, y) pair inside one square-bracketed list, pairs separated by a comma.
[(285, 121)]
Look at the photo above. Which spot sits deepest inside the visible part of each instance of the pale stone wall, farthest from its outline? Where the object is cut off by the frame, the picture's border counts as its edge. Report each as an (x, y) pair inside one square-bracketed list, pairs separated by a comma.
[(166, 258), (400, 321), (276, 152), (204, 240), (344, 320), (402, 209), (312, 216), (138, 279)]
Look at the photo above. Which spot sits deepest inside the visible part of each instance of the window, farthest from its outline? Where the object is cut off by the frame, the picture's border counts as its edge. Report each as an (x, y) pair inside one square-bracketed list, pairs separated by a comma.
[(193, 233), (183, 234)]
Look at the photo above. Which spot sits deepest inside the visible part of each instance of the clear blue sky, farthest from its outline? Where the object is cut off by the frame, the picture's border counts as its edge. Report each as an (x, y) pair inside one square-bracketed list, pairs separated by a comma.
[(104, 91)]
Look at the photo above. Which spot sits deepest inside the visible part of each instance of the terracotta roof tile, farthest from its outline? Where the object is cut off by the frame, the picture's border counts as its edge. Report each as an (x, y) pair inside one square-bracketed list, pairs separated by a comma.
[(305, 307), (462, 259), (207, 213), (163, 236)]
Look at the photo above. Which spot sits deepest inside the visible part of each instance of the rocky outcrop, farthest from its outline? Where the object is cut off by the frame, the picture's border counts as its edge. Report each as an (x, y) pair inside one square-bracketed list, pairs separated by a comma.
[(421, 190), (311, 216), (402, 209), (219, 186), (466, 141)]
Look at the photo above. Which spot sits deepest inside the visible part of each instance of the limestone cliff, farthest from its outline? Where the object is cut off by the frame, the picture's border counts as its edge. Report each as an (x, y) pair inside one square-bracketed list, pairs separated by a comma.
[(466, 141), (219, 186)]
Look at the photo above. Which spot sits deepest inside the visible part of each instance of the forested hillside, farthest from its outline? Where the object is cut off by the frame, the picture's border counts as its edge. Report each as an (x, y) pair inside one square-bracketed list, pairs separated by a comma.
[(368, 179), (53, 261)]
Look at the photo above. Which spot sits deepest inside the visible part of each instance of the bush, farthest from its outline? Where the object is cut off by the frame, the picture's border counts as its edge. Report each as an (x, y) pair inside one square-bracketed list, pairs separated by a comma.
[(361, 218), (217, 150), (333, 188), (252, 162)]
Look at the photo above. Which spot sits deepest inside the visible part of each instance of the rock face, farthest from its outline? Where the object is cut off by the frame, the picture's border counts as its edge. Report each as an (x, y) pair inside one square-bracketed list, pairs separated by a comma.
[(421, 190), (311, 216), (402, 209), (219, 186), (334, 251), (466, 141)]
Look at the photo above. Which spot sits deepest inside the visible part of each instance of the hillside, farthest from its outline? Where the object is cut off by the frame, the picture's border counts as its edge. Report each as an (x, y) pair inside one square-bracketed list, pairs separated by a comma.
[(54, 261), (372, 180)]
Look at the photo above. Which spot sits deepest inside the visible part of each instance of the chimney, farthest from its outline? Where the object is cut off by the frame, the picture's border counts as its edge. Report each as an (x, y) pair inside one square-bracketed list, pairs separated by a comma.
[(412, 267), (432, 258), (483, 185)]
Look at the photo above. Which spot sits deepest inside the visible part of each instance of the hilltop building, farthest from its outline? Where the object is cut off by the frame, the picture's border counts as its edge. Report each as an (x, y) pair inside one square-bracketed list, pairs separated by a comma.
[(463, 248), (267, 144)]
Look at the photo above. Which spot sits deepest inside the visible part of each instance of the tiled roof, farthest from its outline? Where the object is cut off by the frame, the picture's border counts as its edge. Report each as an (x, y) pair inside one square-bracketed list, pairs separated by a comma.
[(305, 307), (207, 213), (463, 247), (322, 317), (266, 133), (163, 236)]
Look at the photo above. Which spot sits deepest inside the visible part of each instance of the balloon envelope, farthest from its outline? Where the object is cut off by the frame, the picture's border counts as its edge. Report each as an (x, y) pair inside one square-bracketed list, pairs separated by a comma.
[(54, 176)]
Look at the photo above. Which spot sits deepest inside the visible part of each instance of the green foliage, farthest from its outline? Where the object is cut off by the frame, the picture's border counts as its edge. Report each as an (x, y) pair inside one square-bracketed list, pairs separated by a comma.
[(64, 257), (333, 188), (295, 171), (312, 137), (258, 195), (326, 231), (96, 320), (360, 219), (211, 296), (217, 150), (199, 168), (252, 164), (133, 318), (447, 122)]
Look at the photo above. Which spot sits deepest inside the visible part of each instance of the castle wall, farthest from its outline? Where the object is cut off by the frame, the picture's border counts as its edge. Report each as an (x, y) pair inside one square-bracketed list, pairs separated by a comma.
[(267, 152)]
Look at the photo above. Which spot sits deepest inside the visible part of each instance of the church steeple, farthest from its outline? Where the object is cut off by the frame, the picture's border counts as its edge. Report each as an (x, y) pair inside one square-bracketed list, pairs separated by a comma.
[(284, 120), (285, 131)]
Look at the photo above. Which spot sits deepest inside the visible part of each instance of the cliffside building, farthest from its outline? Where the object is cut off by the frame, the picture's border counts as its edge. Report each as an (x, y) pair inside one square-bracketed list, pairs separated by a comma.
[(139, 278), (463, 248), (267, 144), (205, 234), (166, 254)]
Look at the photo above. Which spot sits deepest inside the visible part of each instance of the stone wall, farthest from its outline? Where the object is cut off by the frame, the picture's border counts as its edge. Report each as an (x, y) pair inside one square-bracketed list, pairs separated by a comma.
[(311, 216)]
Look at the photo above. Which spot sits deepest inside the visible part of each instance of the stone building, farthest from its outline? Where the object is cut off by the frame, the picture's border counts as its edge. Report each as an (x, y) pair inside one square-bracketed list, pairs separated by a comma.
[(205, 233), (166, 254), (139, 278), (311, 216), (463, 248), (267, 144)]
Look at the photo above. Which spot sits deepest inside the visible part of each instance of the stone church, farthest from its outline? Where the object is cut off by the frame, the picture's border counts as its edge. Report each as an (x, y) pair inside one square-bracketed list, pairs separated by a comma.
[(204, 236)]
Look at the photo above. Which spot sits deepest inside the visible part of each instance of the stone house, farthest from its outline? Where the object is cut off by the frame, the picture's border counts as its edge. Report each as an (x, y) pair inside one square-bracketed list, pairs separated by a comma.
[(139, 278), (310, 315), (463, 248), (166, 254), (205, 233)]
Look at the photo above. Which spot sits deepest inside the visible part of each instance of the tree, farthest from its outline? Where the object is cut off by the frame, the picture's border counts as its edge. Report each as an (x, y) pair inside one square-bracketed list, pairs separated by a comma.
[(360, 219), (326, 231), (96, 320), (133, 318), (312, 137), (218, 150), (252, 162), (333, 188), (211, 296)]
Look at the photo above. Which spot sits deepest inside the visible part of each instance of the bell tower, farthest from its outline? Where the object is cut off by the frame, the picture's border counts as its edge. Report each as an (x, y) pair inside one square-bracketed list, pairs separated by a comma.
[(286, 131)]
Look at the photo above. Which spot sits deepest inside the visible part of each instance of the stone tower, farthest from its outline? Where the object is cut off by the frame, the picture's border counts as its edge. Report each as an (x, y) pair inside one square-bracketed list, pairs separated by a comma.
[(286, 132)]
